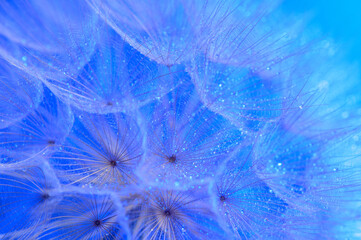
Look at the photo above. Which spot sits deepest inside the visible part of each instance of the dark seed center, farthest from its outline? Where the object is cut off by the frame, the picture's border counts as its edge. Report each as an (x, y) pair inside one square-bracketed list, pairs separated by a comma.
[(51, 142), (167, 212), (172, 159), (109, 103), (113, 163), (45, 196), (97, 222), (222, 198)]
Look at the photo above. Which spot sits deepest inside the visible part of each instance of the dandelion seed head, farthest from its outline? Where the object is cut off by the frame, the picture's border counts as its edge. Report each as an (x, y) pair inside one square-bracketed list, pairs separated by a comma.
[(179, 119)]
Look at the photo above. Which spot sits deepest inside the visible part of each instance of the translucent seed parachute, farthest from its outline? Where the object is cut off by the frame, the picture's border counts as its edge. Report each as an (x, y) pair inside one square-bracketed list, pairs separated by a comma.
[(186, 142), (26, 202), (100, 150), (40, 131), (19, 94)]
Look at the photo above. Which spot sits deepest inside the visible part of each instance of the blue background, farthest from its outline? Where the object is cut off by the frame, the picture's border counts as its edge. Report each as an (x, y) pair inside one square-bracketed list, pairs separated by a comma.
[(338, 19)]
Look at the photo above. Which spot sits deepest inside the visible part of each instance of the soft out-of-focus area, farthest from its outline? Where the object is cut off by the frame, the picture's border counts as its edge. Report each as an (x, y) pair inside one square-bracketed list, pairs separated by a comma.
[(338, 19)]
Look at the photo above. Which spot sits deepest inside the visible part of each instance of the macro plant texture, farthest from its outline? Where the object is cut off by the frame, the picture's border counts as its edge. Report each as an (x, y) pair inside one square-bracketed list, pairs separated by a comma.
[(175, 119)]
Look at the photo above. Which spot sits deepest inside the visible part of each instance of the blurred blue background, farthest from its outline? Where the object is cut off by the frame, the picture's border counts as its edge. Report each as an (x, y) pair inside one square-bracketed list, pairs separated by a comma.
[(339, 19)]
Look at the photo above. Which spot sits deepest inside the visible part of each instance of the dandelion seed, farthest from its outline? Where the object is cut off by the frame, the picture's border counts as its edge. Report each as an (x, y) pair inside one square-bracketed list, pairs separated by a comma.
[(160, 31), (54, 37), (172, 215), (84, 217), (116, 78), (185, 141), (246, 98), (100, 150), (40, 132), (26, 202), (243, 200), (306, 180), (254, 35), (19, 94)]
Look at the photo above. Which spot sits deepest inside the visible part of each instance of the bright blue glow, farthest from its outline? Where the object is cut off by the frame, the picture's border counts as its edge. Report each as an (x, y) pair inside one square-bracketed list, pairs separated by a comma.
[(340, 20)]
